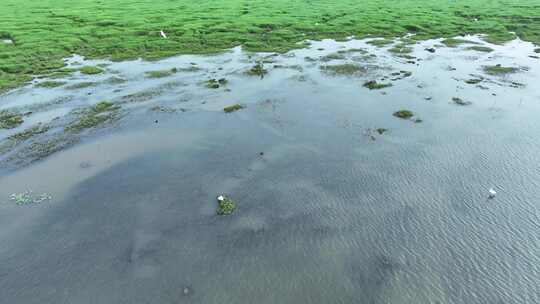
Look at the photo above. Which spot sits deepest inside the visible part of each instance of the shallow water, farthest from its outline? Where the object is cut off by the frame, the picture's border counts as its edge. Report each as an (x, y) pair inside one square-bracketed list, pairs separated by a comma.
[(331, 212)]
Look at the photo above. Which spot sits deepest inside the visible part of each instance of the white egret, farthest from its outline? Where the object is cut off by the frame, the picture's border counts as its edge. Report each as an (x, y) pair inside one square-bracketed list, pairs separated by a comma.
[(162, 33)]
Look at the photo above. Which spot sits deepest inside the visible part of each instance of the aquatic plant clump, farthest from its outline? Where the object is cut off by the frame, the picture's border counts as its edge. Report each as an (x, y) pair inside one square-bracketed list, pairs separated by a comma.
[(453, 42), (374, 85), (50, 84), (27, 198), (10, 120), (499, 70), (233, 108), (216, 83), (343, 69), (480, 48), (161, 74), (29, 133), (380, 42), (99, 113), (257, 70), (460, 102), (90, 70), (226, 206), (403, 114)]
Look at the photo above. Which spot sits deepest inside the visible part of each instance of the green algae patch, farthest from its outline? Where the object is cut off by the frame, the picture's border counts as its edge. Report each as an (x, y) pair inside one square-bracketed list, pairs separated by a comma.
[(10, 120), (90, 70), (480, 48), (226, 206), (161, 73), (374, 85), (233, 108), (94, 116), (474, 80), (50, 84), (403, 114), (454, 42), (29, 133), (342, 69), (499, 70)]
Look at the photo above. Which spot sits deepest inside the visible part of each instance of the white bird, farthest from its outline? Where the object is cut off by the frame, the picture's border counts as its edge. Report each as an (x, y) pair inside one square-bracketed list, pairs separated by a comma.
[(492, 193), (162, 33), (220, 198)]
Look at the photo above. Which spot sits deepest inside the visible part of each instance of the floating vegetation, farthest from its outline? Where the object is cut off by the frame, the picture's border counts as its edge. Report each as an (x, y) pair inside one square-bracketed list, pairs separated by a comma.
[(334, 56), (216, 83), (192, 68), (460, 102), (381, 131), (162, 73), (380, 42), (90, 70), (81, 85), (353, 50), (27, 198), (50, 84), (257, 70), (114, 80), (10, 120), (101, 112), (480, 48), (400, 75), (453, 42), (374, 85), (141, 96), (29, 133), (431, 50), (41, 149), (226, 206), (403, 114), (233, 108), (343, 69), (537, 50), (309, 59), (499, 69)]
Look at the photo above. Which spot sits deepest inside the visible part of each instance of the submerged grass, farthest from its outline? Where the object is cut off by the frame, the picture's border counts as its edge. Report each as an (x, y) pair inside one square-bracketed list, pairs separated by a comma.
[(233, 108), (480, 48), (44, 33), (10, 120), (91, 70), (94, 116), (50, 84), (161, 74), (29, 133), (374, 85), (453, 42)]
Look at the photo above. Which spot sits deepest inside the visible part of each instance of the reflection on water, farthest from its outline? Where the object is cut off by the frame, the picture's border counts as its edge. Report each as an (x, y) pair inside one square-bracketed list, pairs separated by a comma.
[(330, 212)]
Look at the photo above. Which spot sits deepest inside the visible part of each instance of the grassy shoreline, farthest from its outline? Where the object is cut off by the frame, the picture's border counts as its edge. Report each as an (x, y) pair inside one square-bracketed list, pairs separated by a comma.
[(42, 33)]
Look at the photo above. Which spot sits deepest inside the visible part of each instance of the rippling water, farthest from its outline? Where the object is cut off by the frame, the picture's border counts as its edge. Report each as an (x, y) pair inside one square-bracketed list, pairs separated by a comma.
[(331, 212)]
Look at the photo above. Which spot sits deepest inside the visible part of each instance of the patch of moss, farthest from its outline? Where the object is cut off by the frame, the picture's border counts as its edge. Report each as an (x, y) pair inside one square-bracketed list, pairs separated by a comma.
[(453, 42), (98, 114), (480, 48), (343, 69), (29, 133), (163, 109), (10, 120), (233, 108), (161, 74), (403, 114), (499, 70), (374, 85), (50, 84), (257, 70), (90, 70), (226, 206)]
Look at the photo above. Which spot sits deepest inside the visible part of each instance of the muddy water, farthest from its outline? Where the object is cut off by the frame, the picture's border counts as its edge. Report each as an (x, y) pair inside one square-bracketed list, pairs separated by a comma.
[(331, 211)]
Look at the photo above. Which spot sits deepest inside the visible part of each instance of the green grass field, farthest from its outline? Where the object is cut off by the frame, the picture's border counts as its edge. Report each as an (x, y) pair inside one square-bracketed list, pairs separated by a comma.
[(45, 31)]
